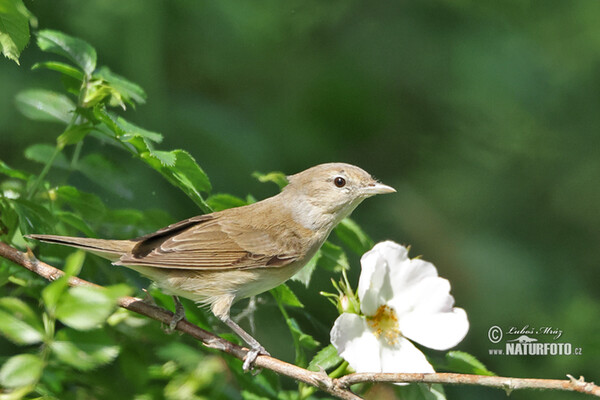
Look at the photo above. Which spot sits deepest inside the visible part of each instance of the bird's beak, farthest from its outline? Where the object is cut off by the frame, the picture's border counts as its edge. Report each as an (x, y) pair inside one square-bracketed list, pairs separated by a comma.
[(377, 188)]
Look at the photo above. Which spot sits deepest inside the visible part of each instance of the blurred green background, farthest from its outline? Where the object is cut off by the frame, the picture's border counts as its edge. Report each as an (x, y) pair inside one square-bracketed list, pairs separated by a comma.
[(484, 117)]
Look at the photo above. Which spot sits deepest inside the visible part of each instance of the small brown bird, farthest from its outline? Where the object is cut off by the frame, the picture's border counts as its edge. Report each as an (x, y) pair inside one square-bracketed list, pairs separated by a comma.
[(219, 258)]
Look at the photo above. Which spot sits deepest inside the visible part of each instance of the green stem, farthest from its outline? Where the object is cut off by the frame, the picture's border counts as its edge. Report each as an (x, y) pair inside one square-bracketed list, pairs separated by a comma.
[(76, 154), (34, 188), (42, 175)]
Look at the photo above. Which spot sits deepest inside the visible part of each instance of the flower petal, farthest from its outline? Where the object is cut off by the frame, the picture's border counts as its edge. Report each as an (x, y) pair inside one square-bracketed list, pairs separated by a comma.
[(431, 319), (375, 286), (404, 357), (356, 343)]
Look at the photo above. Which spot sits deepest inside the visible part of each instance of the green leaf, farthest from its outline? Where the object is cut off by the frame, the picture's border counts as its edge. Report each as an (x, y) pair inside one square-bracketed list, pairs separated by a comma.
[(14, 28), (166, 158), (76, 222), (326, 358), (18, 322), (9, 220), (279, 178), (74, 262), (284, 295), (306, 272), (105, 173), (60, 67), (45, 105), (42, 153), (13, 173), (76, 50), (88, 205), (84, 350), (73, 134), (305, 340), (219, 202), (129, 91), (85, 308), (21, 370), (52, 293), (465, 363), (108, 119), (333, 258), (186, 174), (33, 218), (353, 236), (131, 130)]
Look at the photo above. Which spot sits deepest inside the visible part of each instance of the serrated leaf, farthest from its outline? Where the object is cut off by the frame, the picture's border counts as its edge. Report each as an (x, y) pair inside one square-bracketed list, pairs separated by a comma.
[(84, 350), (84, 308), (42, 153), (279, 178), (284, 295), (78, 51), (60, 67), (306, 272), (219, 202), (129, 91), (186, 174), (109, 119), (326, 358), (166, 158), (333, 258), (14, 29), (305, 340), (353, 236), (73, 135), (465, 363), (18, 322), (88, 205), (132, 130), (21, 370), (45, 105)]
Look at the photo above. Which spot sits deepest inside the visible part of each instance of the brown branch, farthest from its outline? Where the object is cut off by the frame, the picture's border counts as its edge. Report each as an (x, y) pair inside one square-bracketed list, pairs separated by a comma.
[(498, 382), (320, 380), (340, 387)]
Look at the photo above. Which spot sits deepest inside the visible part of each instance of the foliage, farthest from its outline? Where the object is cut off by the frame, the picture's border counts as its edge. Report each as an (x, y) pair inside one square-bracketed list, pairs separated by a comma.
[(61, 351)]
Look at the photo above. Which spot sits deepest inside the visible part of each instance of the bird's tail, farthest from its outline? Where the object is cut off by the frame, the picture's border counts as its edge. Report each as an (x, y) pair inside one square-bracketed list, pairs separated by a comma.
[(111, 249)]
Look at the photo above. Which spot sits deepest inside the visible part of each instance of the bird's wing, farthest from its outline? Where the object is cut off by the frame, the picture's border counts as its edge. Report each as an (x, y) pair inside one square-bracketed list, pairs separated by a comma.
[(207, 242)]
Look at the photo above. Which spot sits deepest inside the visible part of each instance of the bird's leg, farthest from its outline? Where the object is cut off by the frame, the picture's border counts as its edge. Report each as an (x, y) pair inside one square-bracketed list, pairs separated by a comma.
[(248, 313), (178, 316), (255, 347)]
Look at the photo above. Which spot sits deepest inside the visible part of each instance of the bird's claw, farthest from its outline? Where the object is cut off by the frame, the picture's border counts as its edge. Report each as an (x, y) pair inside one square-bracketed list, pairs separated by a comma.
[(251, 356)]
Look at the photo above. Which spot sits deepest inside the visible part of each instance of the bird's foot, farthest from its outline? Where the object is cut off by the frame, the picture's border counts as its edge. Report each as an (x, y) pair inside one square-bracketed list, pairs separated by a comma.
[(251, 356), (178, 316)]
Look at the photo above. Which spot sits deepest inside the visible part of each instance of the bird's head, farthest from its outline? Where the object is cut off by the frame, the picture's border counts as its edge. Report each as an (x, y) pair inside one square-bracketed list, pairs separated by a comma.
[(327, 193)]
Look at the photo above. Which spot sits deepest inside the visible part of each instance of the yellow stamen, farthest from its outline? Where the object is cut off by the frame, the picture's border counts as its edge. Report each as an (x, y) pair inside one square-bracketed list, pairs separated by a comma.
[(385, 323)]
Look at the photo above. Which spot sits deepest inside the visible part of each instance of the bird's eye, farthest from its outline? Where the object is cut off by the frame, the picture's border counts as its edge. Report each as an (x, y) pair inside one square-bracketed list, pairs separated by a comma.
[(339, 181)]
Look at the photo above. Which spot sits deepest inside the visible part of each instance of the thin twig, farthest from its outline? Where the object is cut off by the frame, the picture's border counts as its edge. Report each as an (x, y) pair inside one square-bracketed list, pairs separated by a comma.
[(340, 387), (498, 382), (320, 380)]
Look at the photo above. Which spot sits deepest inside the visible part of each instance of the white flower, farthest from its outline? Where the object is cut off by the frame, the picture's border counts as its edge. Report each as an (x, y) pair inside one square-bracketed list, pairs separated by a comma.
[(400, 299)]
